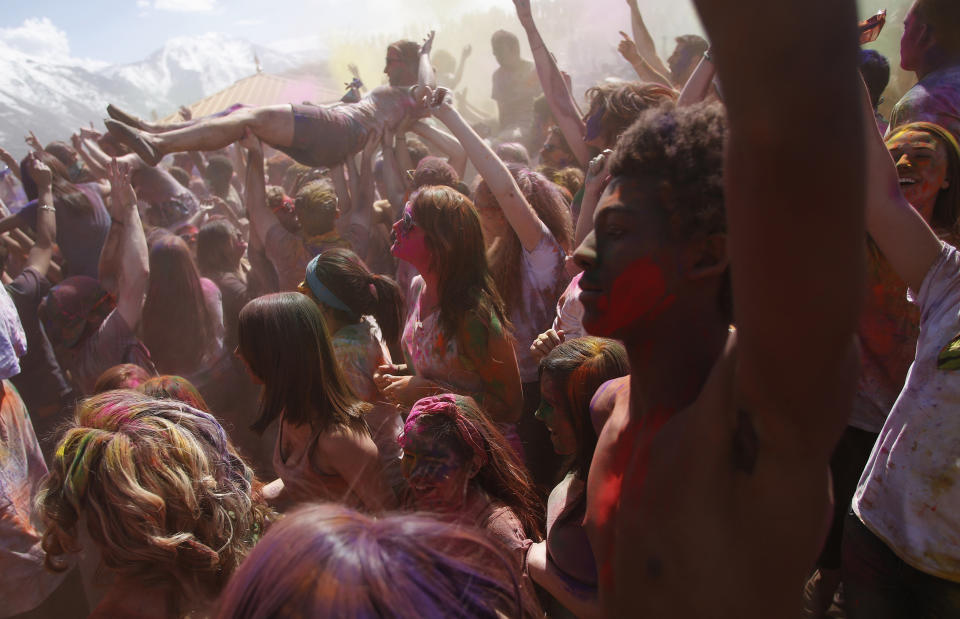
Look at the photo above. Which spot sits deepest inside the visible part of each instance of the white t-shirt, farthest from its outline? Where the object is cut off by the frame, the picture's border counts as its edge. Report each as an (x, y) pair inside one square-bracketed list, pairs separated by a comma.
[(909, 494), (542, 277)]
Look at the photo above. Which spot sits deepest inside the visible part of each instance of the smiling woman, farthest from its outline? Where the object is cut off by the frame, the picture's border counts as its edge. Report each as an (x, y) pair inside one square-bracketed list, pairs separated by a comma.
[(928, 164)]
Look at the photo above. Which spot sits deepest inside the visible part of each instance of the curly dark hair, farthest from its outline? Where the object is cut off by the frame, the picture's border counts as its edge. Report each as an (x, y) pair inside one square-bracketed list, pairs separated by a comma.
[(681, 148)]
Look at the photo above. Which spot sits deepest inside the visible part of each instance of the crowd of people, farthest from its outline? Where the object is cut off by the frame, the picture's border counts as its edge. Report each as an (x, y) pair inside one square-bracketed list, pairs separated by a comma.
[(684, 351)]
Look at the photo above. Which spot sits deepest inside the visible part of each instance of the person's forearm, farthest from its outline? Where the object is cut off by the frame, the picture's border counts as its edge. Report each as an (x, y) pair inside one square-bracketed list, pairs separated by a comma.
[(578, 599), (559, 98), (770, 83), (699, 84), (12, 164), (403, 160), (134, 275), (42, 251), (109, 264), (645, 44), (391, 175), (425, 73), (92, 164), (255, 196), (518, 212), (445, 143), (900, 232), (648, 74)]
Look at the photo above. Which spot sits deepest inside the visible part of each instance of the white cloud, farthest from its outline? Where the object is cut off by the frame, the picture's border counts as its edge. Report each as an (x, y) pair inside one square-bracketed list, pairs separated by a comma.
[(37, 37), (180, 6)]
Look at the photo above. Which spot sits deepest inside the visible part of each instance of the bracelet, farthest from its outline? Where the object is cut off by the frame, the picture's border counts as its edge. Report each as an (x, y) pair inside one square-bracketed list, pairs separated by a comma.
[(46, 207)]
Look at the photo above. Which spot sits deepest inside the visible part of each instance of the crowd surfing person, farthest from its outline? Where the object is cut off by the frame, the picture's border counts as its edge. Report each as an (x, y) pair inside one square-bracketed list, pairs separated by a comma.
[(313, 135)]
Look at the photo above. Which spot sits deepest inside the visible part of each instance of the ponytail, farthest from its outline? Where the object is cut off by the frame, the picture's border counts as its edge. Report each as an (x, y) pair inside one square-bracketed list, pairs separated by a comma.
[(342, 273)]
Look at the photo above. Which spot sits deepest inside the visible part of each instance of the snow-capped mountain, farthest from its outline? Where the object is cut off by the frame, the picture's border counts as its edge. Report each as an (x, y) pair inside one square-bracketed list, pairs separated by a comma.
[(54, 98), (189, 68)]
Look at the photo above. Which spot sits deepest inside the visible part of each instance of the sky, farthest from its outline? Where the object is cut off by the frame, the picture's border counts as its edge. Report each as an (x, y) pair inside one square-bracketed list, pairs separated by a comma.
[(123, 31)]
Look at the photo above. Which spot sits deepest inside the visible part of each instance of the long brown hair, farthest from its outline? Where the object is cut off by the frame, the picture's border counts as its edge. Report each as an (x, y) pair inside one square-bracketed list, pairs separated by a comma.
[(177, 326), (455, 239), (505, 256), (284, 340)]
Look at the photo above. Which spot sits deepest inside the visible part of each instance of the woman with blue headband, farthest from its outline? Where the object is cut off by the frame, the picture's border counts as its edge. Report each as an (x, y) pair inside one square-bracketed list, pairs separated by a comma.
[(363, 313)]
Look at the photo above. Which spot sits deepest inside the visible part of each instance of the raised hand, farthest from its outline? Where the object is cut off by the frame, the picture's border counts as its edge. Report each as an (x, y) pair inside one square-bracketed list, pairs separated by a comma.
[(628, 49), (427, 45), (39, 171), (440, 98), (524, 12), (7, 158), (33, 142), (121, 190), (250, 141), (90, 134)]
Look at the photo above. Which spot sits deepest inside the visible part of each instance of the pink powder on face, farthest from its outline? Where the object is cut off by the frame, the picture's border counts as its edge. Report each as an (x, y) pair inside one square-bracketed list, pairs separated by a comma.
[(638, 292)]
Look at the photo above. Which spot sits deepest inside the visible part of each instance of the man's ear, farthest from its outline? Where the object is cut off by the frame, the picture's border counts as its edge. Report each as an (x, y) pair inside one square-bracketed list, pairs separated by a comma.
[(707, 257)]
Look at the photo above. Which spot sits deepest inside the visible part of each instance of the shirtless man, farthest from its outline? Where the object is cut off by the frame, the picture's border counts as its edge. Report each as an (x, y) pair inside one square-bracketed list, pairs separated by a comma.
[(317, 136), (708, 494)]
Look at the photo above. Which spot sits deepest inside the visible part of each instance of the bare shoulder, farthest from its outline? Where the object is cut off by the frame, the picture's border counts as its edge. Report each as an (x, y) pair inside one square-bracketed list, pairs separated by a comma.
[(345, 442), (607, 397)]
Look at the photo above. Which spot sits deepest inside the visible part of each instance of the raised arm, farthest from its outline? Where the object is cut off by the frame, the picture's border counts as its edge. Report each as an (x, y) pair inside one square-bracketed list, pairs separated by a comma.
[(361, 217), (628, 49), (255, 195), (445, 143), (464, 54), (521, 216), (134, 269), (795, 207), (42, 251), (12, 163), (92, 164), (558, 95), (698, 86), (900, 232), (392, 179), (426, 77), (645, 45)]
